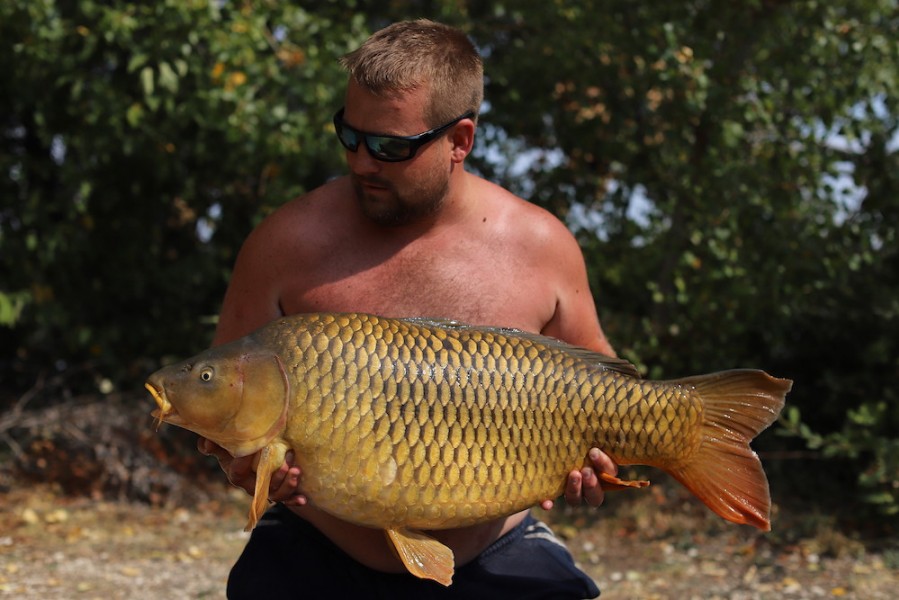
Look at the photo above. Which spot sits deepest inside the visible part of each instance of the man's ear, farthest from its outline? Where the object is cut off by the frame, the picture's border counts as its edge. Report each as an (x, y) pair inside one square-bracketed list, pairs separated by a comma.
[(463, 139)]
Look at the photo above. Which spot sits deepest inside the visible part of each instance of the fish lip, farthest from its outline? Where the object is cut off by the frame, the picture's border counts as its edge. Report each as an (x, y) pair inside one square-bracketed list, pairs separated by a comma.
[(165, 411)]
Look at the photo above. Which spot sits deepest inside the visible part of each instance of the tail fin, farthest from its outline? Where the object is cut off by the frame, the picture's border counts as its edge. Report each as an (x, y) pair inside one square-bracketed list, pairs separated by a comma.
[(725, 473)]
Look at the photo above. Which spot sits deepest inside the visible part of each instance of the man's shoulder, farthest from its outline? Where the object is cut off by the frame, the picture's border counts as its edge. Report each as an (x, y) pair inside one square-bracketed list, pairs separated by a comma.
[(308, 211), (523, 218), (299, 226), (322, 200)]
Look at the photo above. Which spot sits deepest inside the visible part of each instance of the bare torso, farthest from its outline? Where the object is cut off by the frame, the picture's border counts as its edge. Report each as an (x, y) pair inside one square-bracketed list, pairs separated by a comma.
[(475, 277), (496, 261)]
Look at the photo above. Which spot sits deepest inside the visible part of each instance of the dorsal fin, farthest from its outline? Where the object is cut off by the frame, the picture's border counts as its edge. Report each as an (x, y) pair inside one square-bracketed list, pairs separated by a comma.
[(619, 365)]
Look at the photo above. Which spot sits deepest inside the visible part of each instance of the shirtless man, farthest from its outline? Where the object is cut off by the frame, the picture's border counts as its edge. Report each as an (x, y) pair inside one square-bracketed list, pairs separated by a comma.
[(409, 233)]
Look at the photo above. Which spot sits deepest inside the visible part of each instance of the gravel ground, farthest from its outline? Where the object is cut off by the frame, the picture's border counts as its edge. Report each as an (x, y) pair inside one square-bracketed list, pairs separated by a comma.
[(641, 545)]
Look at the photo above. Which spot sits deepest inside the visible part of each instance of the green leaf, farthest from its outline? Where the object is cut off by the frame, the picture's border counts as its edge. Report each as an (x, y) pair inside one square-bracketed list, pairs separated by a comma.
[(135, 114), (137, 61), (11, 307), (146, 80), (167, 77)]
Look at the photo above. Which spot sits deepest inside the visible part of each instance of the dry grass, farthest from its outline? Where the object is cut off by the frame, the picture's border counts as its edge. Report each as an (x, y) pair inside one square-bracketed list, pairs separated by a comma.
[(655, 543)]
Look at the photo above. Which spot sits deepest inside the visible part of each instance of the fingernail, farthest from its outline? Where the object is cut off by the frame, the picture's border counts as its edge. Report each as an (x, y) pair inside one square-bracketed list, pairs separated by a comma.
[(288, 457), (594, 454)]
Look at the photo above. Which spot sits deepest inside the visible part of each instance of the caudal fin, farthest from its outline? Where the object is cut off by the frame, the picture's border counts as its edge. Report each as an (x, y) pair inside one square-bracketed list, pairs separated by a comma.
[(725, 473)]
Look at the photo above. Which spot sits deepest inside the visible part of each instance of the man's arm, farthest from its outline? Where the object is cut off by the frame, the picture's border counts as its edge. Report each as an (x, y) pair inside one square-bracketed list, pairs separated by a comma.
[(575, 321), (251, 301)]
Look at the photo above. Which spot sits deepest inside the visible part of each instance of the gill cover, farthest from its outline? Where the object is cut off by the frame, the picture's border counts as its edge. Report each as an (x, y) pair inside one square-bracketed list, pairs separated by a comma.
[(233, 395)]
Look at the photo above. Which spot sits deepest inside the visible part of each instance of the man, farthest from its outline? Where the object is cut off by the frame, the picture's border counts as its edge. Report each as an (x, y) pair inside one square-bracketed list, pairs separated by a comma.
[(409, 233)]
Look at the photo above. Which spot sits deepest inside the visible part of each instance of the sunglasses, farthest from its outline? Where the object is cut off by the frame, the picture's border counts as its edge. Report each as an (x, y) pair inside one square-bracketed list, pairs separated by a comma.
[(388, 148)]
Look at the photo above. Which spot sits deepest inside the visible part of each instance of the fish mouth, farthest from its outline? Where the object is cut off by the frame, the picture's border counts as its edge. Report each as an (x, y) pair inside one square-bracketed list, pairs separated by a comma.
[(165, 412)]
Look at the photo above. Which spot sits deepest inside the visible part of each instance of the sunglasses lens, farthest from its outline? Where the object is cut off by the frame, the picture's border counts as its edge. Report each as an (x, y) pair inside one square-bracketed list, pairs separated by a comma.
[(388, 148), (347, 137)]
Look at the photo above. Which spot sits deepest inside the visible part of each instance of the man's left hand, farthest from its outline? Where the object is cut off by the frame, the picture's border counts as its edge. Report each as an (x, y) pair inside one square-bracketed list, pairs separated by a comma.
[(583, 485)]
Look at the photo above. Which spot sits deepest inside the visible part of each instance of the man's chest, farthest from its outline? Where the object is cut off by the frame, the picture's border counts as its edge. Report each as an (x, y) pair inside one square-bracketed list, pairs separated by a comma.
[(476, 290)]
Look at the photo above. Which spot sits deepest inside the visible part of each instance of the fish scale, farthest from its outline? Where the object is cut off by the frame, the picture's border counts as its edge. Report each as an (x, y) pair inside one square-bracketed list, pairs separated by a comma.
[(418, 424), (432, 445)]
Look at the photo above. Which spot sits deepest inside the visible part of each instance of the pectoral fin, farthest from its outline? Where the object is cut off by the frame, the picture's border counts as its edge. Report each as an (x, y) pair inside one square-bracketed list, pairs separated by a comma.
[(423, 556), (269, 461)]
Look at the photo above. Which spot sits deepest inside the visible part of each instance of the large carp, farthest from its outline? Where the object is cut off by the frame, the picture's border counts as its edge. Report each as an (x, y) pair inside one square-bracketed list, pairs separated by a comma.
[(446, 425)]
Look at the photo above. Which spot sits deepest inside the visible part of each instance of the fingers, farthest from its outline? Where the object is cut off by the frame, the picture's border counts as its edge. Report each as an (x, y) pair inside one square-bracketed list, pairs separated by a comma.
[(241, 474), (209, 448), (591, 489), (602, 462), (573, 488), (285, 483), (238, 470), (584, 485)]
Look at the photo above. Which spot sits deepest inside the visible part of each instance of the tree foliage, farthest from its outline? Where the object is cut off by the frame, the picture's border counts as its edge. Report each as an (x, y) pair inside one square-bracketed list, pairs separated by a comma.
[(730, 169), (140, 141), (741, 163)]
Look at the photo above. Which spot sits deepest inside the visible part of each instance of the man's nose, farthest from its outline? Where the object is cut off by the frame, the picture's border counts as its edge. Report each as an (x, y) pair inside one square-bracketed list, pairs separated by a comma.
[(361, 161)]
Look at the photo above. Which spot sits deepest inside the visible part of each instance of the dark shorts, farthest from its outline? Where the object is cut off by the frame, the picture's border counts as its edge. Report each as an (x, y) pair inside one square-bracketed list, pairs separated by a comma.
[(287, 557)]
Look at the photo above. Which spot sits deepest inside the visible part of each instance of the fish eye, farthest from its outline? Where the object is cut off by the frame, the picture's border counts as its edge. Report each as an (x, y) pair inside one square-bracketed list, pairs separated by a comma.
[(207, 374)]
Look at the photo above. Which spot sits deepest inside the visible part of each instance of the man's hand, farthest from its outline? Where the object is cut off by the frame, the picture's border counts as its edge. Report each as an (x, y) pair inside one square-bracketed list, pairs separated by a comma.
[(584, 484), (285, 481)]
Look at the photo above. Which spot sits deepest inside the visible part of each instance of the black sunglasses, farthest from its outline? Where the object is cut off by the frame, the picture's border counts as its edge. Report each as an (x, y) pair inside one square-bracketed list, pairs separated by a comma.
[(388, 148)]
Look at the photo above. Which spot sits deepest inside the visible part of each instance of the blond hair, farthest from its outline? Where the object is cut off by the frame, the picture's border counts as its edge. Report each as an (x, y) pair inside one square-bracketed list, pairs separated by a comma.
[(413, 54)]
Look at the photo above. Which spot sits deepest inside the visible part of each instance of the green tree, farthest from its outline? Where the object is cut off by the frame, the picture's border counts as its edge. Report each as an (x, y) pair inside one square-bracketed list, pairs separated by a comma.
[(730, 170), (724, 149), (140, 142)]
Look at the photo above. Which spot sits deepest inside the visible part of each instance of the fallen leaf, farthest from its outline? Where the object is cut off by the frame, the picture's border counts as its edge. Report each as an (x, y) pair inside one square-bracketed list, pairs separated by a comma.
[(30, 517), (57, 516)]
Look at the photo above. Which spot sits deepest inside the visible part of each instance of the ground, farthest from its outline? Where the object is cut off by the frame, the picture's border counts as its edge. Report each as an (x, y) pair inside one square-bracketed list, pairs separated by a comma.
[(656, 543)]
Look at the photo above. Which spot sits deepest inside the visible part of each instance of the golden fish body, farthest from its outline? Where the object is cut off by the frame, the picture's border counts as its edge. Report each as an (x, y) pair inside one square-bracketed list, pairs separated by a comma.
[(420, 424)]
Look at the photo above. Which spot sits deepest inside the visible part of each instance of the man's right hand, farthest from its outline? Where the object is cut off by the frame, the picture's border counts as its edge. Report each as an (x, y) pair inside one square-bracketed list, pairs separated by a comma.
[(285, 482)]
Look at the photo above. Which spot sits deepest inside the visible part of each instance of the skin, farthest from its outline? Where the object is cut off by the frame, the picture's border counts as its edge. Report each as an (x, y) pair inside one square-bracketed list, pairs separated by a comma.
[(416, 238)]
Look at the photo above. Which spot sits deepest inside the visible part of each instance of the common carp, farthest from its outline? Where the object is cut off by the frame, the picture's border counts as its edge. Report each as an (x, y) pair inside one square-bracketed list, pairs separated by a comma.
[(450, 425)]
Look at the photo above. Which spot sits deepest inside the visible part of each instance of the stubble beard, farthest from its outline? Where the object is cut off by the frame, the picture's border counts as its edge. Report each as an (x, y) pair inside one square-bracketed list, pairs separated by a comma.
[(392, 208)]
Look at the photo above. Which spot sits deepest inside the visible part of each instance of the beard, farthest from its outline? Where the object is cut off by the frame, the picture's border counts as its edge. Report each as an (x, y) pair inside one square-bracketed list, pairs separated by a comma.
[(392, 207)]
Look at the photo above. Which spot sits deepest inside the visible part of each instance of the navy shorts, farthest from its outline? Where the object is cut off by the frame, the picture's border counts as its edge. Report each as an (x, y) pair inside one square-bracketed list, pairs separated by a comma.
[(286, 557)]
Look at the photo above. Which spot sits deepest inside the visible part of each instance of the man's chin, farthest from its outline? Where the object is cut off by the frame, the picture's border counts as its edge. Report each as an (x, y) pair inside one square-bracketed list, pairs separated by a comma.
[(379, 205), (376, 209), (383, 207), (386, 217)]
